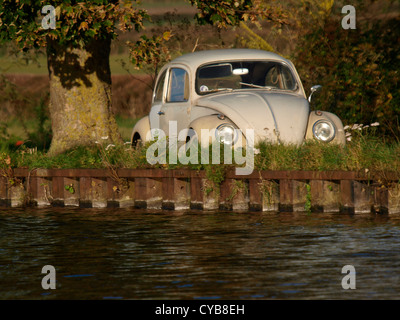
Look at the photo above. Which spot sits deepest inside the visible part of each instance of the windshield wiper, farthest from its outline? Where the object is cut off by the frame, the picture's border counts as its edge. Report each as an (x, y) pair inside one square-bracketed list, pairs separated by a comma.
[(219, 89), (257, 86)]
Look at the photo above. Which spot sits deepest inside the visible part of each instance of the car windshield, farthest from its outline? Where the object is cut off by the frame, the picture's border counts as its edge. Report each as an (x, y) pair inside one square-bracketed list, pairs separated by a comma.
[(268, 75)]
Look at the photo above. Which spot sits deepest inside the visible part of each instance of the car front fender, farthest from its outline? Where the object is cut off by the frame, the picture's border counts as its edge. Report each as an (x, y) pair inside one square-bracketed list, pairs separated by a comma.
[(315, 116), (210, 123)]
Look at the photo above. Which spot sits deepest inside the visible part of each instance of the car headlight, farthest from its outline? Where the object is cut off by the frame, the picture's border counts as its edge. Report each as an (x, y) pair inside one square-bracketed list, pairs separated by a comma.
[(226, 133), (324, 130)]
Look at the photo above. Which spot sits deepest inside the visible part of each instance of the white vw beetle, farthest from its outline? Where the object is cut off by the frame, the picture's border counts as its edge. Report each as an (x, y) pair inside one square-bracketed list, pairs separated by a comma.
[(229, 90)]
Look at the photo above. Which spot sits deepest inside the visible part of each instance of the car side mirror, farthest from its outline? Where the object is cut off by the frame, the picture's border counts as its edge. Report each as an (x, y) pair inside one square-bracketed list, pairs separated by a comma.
[(314, 89)]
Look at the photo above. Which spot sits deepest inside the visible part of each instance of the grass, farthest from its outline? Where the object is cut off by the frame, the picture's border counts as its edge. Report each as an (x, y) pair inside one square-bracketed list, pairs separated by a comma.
[(125, 126), (15, 129), (364, 153), (12, 65), (368, 154)]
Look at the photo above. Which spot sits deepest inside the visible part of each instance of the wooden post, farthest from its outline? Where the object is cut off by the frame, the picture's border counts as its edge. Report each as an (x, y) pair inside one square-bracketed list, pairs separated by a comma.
[(300, 193), (72, 192), (17, 195), (317, 195), (140, 192), (331, 193), (240, 200), (346, 196), (381, 199), (4, 201), (40, 191), (168, 196), (363, 200), (99, 192), (85, 192), (210, 195), (181, 193), (234, 195), (285, 195), (120, 195), (271, 195), (196, 193), (180, 189), (153, 193), (325, 196), (57, 186), (394, 198), (255, 195), (225, 199)]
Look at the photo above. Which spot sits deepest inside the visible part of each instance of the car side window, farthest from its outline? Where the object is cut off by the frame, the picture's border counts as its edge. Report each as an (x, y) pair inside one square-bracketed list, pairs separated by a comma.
[(178, 89), (158, 93)]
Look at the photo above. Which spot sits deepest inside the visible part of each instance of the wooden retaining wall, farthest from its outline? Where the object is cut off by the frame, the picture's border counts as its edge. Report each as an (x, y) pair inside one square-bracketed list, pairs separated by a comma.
[(333, 191)]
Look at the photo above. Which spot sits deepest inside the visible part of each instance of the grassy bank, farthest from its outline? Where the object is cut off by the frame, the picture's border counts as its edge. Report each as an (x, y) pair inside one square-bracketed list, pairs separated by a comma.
[(365, 152)]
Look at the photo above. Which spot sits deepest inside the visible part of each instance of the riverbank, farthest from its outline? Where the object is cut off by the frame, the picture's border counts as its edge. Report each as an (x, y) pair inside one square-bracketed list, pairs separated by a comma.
[(363, 175), (270, 191)]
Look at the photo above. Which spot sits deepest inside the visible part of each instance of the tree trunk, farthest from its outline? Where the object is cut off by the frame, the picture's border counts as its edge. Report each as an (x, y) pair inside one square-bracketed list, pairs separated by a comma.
[(80, 96)]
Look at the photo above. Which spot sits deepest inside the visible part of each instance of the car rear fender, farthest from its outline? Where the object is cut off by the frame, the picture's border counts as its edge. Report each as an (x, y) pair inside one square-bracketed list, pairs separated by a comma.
[(140, 130)]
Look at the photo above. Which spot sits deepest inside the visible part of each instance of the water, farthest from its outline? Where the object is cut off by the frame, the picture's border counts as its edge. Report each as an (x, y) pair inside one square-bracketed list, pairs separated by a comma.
[(136, 254)]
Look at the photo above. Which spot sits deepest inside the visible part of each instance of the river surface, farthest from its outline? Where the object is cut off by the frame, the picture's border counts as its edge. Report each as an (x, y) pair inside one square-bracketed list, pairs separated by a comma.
[(139, 254)]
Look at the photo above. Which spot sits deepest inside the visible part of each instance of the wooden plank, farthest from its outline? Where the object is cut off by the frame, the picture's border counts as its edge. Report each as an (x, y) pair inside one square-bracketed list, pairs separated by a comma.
[(346, 196), (286, 195), (381, 199), (210, 195), (240, 200), (271, 195), (363, 200), (142, 173), (331, 196), (41, 191), (225, 198), (394, 198), (57, 191), (127, 197), (32, 190), (113, 193), (99, 192), (168, 196), (307, 175), (153, 193), (140, 192), (85, 192), (121, 193), (4, 201), (300, 195), (17, 195), (182, 193), (329, 190), (186, 173), (255, 195), (317, 195), (196, 193), (72, 191)]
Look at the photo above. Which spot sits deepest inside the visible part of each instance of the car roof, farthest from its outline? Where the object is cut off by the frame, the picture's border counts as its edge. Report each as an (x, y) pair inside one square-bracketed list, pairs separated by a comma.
[(198, 58)]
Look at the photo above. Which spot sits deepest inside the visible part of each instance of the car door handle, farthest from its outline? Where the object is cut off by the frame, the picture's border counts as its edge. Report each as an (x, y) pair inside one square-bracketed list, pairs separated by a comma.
[(160, 113)]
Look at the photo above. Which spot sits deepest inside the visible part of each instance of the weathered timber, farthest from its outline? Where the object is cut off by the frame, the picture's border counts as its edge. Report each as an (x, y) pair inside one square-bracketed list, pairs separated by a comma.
[(184, 189)]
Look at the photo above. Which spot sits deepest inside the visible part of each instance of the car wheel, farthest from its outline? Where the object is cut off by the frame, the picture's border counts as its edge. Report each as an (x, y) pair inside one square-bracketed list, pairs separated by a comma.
[(136, 141), (191, 138)]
